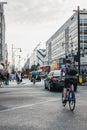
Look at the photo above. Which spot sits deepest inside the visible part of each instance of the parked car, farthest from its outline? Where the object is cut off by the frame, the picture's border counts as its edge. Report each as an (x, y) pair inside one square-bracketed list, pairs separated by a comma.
[(26, 76), (44, 75), (53, 80)]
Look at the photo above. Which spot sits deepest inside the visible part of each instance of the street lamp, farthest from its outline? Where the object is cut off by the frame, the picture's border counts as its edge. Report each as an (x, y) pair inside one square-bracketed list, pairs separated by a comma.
[(13, 58), (19, 66)]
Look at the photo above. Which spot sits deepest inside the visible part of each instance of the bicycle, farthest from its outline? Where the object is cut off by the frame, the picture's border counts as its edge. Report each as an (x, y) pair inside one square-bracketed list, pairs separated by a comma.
[(34, 80), (70, 98)]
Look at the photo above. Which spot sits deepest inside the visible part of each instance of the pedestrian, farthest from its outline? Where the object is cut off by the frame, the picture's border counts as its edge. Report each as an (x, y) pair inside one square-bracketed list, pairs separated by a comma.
[(18, 77), (7, 78)]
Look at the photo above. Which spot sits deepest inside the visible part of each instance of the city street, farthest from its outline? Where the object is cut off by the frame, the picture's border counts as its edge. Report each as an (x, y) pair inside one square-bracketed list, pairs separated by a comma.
[(43, 39), (31, 107)]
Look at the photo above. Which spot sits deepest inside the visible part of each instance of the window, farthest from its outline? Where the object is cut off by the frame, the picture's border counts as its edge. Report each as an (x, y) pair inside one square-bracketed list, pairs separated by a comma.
[(83, 38)]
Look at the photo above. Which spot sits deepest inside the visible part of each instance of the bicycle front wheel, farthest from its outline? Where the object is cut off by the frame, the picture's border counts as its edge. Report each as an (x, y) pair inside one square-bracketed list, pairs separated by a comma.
[(72, 100), (33, 81)]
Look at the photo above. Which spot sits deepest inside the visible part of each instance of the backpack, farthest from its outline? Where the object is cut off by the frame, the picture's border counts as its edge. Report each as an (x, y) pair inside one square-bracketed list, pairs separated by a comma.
[(71, 70)]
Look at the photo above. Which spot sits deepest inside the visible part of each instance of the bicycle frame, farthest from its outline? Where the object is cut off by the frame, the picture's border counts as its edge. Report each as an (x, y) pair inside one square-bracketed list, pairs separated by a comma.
[(70, 98)]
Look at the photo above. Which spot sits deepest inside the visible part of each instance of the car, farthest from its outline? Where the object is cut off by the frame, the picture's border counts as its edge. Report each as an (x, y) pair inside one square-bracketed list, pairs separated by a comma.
[(52, 81), (26, 76)]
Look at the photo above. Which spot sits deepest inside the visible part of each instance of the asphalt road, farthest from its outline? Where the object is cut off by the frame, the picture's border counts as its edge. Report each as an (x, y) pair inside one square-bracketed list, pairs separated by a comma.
[(31, 107)]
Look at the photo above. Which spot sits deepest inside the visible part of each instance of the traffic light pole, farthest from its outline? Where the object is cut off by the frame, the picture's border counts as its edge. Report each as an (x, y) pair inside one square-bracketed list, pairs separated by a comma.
[(78, 41)]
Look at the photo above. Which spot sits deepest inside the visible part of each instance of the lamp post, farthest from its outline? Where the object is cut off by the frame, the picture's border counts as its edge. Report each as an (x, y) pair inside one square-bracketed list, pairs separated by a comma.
[(19, 66), (78, 41), (13, 56)]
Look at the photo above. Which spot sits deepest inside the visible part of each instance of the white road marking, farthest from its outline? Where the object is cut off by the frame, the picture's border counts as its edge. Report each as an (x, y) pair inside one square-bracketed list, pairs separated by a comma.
[(29, 105)]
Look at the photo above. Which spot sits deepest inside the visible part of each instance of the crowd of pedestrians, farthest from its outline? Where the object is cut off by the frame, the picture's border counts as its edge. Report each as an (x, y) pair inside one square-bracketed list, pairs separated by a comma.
[(5, 77)]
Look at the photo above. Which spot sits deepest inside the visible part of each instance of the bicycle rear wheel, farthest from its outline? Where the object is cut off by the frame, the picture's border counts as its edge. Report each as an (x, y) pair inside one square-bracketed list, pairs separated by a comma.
[(33, 81), (72, 100)]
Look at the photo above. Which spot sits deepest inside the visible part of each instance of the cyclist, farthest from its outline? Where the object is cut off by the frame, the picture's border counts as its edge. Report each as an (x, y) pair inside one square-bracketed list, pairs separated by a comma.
[(69, 78), (33, 77)]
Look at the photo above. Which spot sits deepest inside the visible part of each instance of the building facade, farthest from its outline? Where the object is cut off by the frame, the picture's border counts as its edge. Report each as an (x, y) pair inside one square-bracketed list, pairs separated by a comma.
[(37, 57), (65, 40), (41, 54), (27, 63), (3, 45)]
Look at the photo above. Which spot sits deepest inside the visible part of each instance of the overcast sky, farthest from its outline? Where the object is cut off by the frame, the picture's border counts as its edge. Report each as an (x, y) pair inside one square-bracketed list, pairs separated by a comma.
[(29, 22)]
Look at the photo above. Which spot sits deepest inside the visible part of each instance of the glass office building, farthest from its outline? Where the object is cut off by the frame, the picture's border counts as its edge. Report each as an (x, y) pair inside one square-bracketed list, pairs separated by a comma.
[(65, 40)]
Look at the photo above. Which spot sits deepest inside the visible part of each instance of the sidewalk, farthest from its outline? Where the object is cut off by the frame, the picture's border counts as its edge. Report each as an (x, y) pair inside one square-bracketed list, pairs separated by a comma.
[(12, 84), (84, 84)]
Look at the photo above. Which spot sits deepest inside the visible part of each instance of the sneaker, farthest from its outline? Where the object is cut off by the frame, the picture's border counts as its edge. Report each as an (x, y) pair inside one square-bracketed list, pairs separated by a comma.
[(64, 101)]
